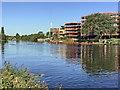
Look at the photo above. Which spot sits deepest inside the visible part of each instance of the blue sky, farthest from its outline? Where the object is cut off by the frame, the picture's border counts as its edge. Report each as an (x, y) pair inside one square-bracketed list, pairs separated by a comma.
[(32, 17)]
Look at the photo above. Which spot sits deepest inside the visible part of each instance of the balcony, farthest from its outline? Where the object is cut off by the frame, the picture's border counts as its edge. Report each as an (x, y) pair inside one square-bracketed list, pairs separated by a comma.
[(72, 28), (72, 32), (72, 35), (72, 25)]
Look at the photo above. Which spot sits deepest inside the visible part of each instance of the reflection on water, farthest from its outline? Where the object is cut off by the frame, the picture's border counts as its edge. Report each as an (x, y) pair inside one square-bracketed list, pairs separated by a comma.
[(1, 57), (73, 65), (2, 47), (100, 58), (94, 58)]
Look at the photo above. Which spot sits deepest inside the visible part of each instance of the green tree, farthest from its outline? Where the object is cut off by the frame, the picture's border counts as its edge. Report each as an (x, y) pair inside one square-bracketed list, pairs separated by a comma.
[(100, 24), (17, 36), (3, 36), (40, 32), (47, 34), (33, 37), (40, 35)]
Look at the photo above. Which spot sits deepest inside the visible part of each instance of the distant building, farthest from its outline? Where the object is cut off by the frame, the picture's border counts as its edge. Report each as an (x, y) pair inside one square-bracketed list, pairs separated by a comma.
[(54, 32), (72, 30), (119, 22), (61, 31)]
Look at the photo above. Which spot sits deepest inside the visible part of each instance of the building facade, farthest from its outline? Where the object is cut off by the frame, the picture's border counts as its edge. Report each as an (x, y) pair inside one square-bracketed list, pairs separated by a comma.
[(61, 32), (72, 30), (54, 32)]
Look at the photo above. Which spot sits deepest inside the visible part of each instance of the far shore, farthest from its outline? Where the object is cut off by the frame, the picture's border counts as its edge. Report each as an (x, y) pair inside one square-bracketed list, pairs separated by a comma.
[(77, 43)]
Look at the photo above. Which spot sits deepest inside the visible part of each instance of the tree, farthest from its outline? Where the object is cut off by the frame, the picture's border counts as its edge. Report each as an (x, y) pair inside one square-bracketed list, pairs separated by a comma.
[(17, 36), (2, 30), (3, 36), (40, 32), (99, 24), (47, 34)]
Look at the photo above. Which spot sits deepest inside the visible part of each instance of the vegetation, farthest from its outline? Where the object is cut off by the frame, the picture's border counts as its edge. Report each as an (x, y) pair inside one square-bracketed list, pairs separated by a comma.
[(17, 36), (3, 36), (12, 77), (47, 34), (99, 24), (31, 37), (64, 39)]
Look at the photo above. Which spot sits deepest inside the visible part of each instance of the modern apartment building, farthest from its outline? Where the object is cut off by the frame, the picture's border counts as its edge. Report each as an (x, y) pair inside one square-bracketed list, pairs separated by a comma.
[(61, 32), (119, 22), (72, 30)]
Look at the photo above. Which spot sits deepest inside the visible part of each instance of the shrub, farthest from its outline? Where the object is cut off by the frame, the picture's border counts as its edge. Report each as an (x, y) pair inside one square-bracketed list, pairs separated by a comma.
[(12, 77)]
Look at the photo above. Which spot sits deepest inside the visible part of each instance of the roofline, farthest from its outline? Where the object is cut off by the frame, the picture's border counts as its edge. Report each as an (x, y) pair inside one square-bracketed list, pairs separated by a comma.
[(102, 13), (73, 22)]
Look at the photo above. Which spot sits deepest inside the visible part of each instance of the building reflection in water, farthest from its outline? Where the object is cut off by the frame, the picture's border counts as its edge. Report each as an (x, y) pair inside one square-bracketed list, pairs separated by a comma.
[(93, 58), (69, 52)]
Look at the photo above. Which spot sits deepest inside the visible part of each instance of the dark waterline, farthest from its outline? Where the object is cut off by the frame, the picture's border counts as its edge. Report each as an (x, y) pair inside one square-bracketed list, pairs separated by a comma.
[(72, 66)]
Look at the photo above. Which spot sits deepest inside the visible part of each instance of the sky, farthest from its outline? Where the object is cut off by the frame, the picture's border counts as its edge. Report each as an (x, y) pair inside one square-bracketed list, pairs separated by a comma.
[(32, 17), (60, 0)]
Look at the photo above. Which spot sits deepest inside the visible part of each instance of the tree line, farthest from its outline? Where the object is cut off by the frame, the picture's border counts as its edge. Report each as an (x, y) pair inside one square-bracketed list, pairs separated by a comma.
[(32, 37), (17, 37)]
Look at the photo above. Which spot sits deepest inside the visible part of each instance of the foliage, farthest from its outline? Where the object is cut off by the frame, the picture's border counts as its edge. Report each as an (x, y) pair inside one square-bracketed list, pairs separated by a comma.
[(12, 77), (33, 37), (3, 36), (99, 24), (17, 36), (65, 39), (47, 34)]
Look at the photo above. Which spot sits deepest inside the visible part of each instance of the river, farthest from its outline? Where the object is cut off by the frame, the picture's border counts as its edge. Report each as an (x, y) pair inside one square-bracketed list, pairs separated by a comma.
[(69, 66)]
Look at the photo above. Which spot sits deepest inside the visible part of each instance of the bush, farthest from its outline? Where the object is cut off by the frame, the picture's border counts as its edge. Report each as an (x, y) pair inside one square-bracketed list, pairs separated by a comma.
[(12, 77)]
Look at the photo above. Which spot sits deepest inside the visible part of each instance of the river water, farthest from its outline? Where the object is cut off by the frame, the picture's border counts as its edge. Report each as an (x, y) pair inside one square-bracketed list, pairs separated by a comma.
[(69, 66)]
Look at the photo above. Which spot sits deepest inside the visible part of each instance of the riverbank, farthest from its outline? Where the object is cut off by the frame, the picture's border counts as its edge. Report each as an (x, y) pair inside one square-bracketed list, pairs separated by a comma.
[(82, 43), (61, 42)]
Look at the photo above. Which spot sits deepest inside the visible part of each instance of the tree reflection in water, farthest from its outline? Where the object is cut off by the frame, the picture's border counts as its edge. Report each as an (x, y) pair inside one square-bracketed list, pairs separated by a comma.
[(93, 58), (100, 58), (2, 43), (2, 48)]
